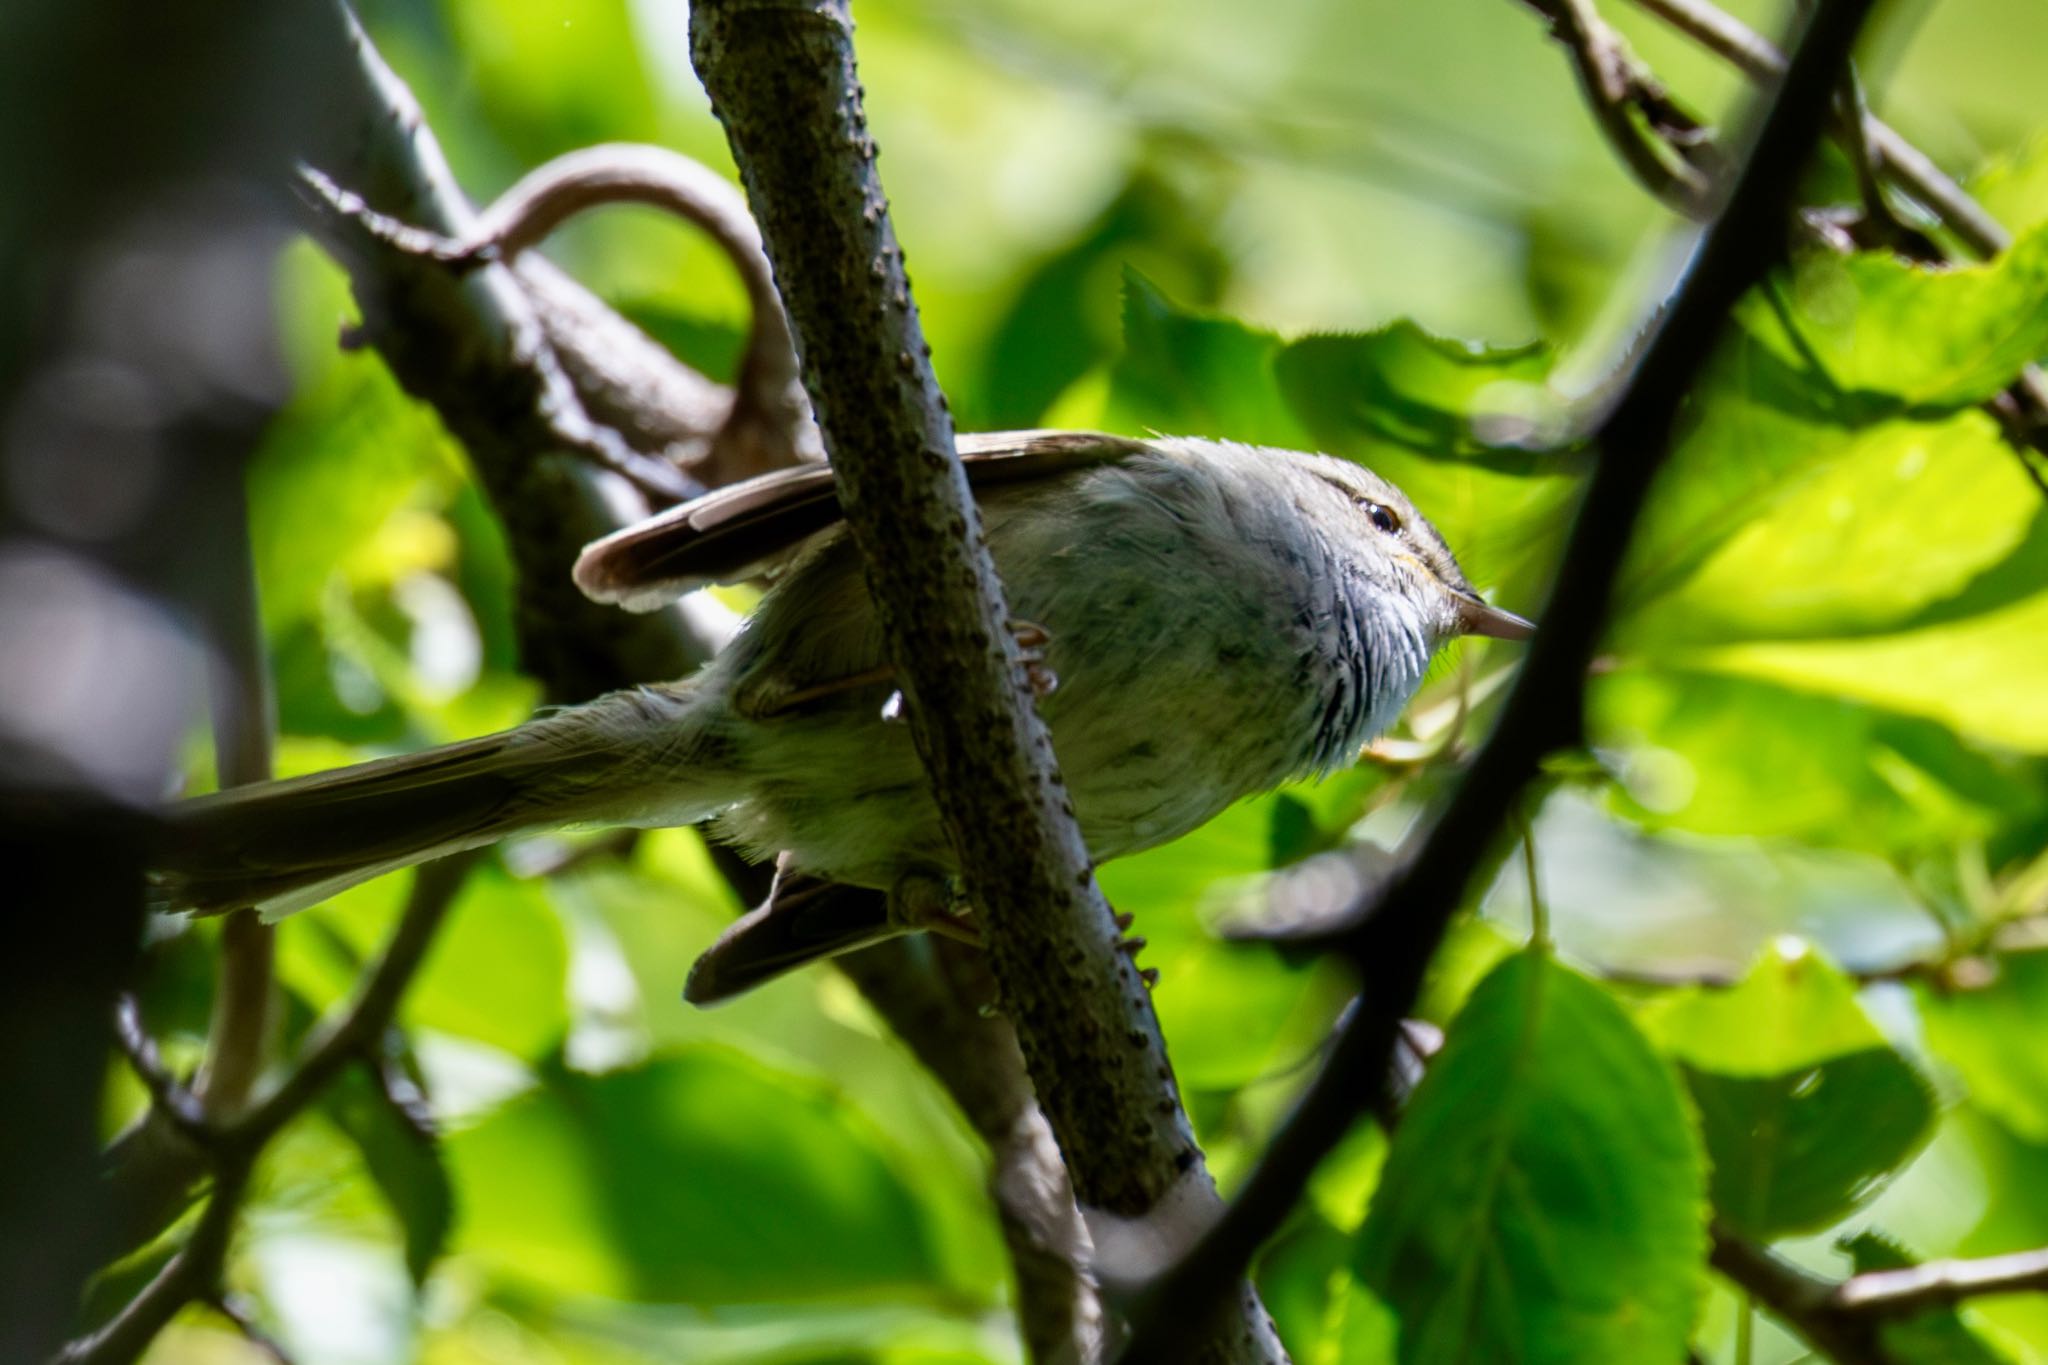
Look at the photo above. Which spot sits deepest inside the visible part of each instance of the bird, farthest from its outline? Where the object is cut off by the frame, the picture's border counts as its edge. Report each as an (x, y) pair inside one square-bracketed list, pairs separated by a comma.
[(1204, 620)]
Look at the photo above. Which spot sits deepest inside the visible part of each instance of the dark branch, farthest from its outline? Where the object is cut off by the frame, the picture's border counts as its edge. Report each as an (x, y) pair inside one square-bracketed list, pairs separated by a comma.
[(1881, 157), (1397, 935), (231, 1147), (782, 80), (1900, 162), (1799, 1299)]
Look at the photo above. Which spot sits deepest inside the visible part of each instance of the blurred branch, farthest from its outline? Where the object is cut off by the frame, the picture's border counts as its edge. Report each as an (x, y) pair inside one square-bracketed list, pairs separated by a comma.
[(974, 1054), (1882, 156), (239, 1033), (1665, 147), (242, 1318), (1970, 964), (1940, 1284), (782, 80), (1398, 931), (1841, 1319), (232, 1146), (1899, 162)]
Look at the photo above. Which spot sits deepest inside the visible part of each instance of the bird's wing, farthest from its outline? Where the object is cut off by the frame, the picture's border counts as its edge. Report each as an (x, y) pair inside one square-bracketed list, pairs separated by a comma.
[(740, 531)]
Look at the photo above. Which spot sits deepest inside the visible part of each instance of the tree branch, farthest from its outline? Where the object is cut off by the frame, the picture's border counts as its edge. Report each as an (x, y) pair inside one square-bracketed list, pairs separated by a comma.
[(1397, 934), (239, 1032), (974, 1054), (1663, 145), (232, 1147), (1881, 156), (1900, 162), (446, 338), (782, 80), (1940, 1284)]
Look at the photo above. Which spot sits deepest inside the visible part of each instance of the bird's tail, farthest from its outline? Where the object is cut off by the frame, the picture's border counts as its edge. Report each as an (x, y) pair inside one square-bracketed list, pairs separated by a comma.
[(803, 920), (637, 757)]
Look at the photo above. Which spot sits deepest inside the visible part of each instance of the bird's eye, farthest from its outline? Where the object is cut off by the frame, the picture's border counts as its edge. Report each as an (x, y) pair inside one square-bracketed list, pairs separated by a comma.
[(1383, 517)]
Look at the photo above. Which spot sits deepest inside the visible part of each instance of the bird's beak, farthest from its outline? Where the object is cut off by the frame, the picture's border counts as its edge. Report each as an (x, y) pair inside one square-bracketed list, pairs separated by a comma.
[(1477, 618)]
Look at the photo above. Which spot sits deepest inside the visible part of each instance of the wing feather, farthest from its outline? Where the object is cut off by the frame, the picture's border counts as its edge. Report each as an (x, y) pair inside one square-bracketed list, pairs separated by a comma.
[(741, 531)]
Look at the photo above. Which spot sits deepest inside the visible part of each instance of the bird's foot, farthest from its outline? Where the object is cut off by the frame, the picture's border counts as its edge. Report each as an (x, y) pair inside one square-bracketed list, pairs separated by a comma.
[(1032, 639), (931, 903)]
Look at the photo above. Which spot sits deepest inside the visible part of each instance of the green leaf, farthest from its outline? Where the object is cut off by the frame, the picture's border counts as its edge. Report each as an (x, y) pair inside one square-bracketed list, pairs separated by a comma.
[(1983, 676), (1435, 416), (1192, 375), (1936, 1336), (1874, 324), (1702, 751), (2014, 188), (404, 1163), (497, 971), (1799, 1151), (1541, 1201), (1992, 1037), (1324, 1315), (1944, 506), (701, 1177), (1792, 1009)]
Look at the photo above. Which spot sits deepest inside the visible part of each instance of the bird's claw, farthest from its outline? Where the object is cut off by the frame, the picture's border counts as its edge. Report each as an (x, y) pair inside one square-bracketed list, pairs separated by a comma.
[(1032, 639)]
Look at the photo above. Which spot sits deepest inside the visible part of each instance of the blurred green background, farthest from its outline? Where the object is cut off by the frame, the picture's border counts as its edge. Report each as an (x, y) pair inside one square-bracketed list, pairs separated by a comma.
[(1817, 733)]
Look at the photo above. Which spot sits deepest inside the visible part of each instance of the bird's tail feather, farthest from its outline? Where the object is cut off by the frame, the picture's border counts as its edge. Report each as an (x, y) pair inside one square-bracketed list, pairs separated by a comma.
[(803, 920), (282, 846)]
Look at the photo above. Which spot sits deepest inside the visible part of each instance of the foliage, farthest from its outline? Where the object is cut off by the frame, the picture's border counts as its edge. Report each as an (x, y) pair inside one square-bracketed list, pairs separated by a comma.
[(1818, 734)]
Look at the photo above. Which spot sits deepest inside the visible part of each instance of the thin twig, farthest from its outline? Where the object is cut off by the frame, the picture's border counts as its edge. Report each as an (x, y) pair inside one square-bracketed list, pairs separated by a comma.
[(193, 1273), (346, 1038), (1905, 165), (1940, 1284), (238, 1035), (1800, 1299), (1661, 143), (1397, 936), (232, 1146), (167, 1094)]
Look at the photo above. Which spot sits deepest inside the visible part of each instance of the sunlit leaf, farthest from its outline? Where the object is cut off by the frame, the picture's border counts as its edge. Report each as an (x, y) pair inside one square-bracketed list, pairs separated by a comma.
[(1699, 750), (1944, 506), (1541, 1201), (1876, 327), (1792, 1008)]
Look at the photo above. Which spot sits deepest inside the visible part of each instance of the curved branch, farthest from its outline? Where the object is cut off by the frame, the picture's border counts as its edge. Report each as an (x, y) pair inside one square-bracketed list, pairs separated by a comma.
[(766, 422), (1660, 143)]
